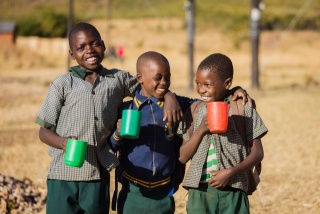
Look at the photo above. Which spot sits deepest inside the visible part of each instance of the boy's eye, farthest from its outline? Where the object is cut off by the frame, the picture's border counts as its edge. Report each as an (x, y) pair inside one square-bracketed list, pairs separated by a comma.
[(198, 84), (205, 85), (93, 44), (96, 43), (81, 47), (157, 78)]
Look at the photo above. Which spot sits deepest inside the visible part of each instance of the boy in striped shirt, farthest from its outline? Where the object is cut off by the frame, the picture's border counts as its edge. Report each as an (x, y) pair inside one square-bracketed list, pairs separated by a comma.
[(217, 177)]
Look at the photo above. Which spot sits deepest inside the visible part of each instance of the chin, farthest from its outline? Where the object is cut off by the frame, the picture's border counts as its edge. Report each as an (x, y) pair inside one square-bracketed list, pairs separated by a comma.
[(207, 100), (159, 96)]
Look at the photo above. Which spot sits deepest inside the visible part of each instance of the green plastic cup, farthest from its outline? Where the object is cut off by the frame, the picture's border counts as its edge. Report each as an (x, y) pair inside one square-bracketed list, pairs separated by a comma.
[(75, 152), (130, 125)]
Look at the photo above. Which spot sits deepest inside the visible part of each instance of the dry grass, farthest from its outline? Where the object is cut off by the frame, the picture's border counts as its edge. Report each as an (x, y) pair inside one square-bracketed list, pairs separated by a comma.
[(287, 100)]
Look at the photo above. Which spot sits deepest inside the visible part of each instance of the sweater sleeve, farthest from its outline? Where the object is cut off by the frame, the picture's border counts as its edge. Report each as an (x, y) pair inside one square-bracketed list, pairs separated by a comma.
[(116, 140)]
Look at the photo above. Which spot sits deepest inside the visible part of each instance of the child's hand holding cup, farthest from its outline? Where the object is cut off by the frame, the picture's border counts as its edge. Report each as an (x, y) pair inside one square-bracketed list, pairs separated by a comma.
[(130, 124), (75, 152)]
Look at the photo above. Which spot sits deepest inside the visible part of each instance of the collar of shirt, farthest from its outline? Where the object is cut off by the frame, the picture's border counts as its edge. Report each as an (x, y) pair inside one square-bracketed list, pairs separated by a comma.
[(227, 100), (139, 99), (80, 72)]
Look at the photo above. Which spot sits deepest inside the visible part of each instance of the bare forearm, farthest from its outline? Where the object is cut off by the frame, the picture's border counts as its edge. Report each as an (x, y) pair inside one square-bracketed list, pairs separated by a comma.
[(52, 139), (255, 156), (172, 109), (240, 93), (189, 148)]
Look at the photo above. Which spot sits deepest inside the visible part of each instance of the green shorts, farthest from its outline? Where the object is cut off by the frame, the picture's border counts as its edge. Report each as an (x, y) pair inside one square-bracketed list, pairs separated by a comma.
[(65, 197), (134, 199), (207, 200)]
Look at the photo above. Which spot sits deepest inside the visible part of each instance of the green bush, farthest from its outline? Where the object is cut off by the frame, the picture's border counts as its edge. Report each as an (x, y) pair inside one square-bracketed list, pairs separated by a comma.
[(280, 21), (44, 22), (48, 18)]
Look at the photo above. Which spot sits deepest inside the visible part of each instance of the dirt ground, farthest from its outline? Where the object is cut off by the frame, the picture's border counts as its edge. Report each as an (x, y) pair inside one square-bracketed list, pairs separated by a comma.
[(287, 102)]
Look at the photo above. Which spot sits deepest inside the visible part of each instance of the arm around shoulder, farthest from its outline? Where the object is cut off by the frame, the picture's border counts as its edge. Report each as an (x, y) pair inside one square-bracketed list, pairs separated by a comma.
[(239, 93), (172, 109)]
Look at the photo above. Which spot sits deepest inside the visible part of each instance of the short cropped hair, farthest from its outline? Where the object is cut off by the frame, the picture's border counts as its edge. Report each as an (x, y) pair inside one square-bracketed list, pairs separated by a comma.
[(81, 26), (219, 64), (149, 56)]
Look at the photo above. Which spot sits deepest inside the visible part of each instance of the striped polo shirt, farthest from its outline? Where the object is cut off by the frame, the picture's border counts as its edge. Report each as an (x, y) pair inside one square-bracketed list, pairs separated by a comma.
[(74, 107)]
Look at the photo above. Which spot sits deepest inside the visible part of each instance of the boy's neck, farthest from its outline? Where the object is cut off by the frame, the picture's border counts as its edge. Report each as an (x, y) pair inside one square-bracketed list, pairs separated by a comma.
[(92, 71), (142, 94), (91, 76)]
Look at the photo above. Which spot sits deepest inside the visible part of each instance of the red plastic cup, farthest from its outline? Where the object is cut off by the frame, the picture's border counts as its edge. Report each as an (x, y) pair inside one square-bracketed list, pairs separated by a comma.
[(217, 113)]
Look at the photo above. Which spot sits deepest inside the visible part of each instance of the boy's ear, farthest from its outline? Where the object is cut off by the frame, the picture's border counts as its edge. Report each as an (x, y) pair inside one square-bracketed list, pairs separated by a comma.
[(139, 78), (228, 83), (104, 47), (71, 54)]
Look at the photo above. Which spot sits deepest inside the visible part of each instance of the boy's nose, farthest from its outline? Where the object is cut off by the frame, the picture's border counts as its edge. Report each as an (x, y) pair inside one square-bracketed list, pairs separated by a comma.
[(164, 82), (89, 48), (201, 89)]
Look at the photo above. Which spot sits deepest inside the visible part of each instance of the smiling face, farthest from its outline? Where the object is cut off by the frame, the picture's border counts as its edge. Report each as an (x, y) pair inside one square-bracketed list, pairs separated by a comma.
[(210, 87), (214, 77), (87, 48), (154, 77)]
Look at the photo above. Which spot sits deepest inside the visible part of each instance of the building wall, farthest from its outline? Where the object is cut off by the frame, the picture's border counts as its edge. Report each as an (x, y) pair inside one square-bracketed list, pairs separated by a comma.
[(7, 38), (45, 46)]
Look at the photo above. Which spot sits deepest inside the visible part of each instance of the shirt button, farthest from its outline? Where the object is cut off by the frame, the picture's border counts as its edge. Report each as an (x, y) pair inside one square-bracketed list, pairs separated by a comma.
[(95, 118), (93, 92)]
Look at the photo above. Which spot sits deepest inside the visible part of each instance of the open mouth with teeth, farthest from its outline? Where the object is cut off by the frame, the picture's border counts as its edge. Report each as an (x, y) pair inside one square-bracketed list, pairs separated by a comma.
[(161, 89), (92, 59), (206, 99)]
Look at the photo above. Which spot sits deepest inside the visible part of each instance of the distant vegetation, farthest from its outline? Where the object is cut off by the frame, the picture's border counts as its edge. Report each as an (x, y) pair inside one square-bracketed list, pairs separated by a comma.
[(48, 18)]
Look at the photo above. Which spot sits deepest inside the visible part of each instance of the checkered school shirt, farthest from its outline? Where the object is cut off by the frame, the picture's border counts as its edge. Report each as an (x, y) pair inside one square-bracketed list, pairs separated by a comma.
[(230, 149), (74, 107)]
